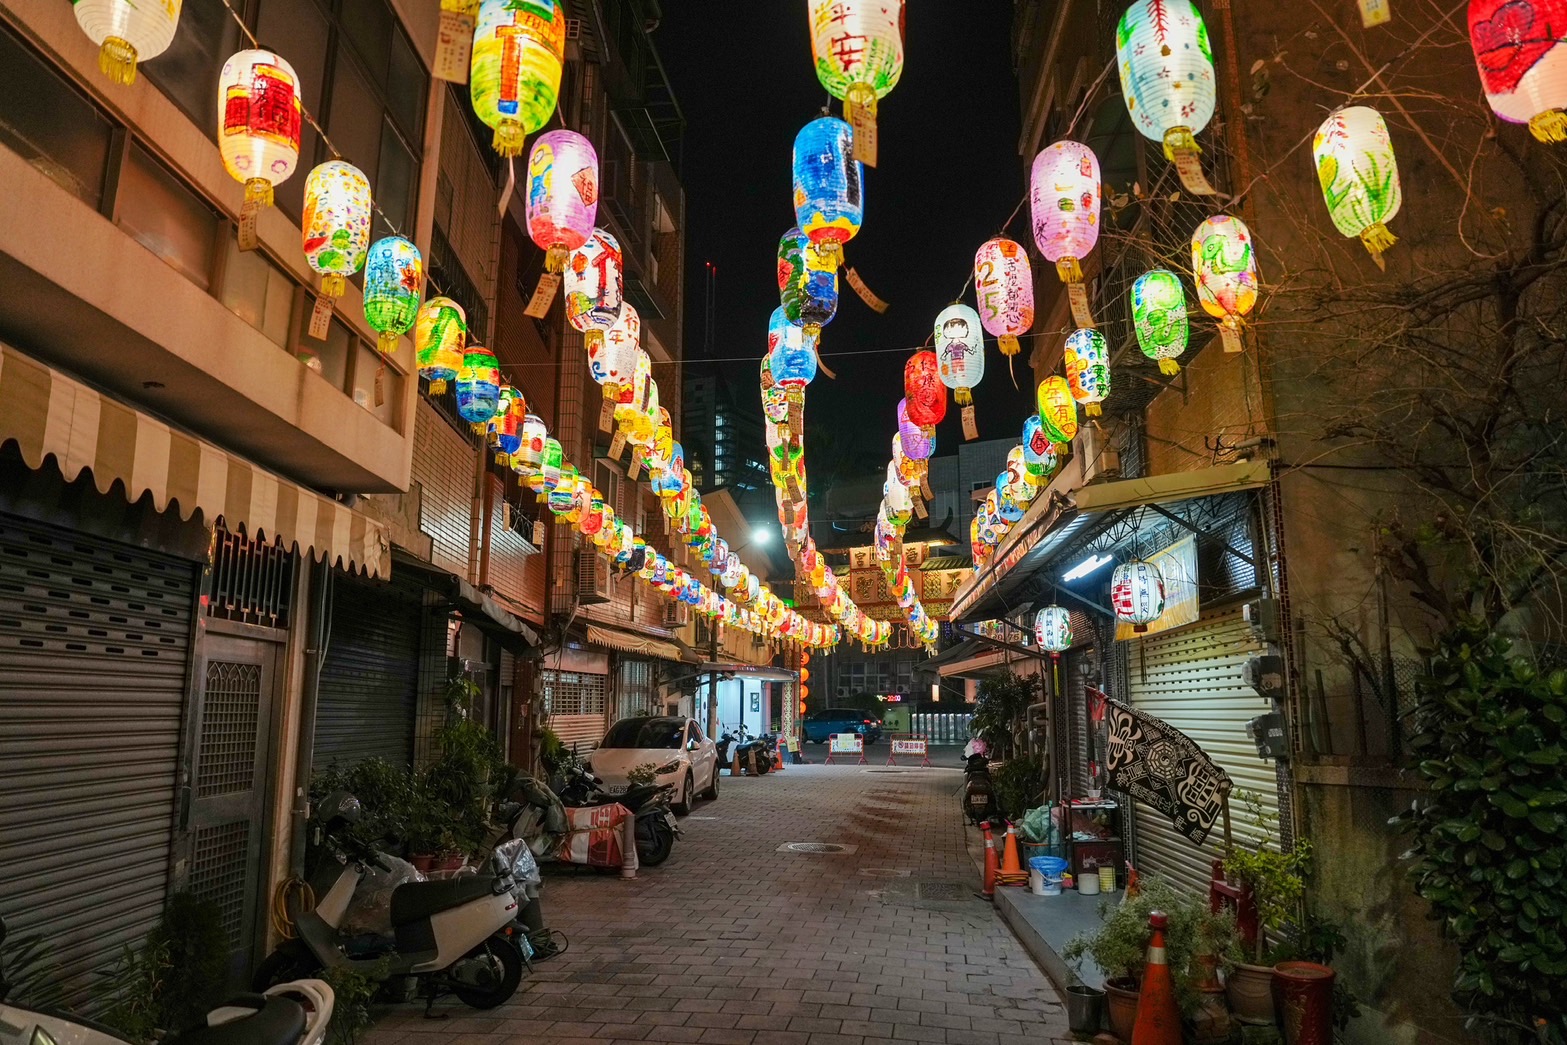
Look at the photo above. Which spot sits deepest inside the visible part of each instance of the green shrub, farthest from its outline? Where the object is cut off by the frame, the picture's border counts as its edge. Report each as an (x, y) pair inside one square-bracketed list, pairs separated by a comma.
[(1017, 784)]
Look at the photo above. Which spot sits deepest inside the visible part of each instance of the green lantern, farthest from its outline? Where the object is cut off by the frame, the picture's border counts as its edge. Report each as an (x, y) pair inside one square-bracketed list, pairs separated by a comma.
[(1159, 317)]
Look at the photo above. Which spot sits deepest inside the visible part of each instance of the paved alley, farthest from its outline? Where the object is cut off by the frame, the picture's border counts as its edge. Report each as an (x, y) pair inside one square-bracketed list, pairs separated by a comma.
[(733, 941)]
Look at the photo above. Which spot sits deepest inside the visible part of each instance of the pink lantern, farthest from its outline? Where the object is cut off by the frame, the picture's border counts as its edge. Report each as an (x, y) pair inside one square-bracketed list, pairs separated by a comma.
[(1064, 201), (1004, 289), (563, 194)]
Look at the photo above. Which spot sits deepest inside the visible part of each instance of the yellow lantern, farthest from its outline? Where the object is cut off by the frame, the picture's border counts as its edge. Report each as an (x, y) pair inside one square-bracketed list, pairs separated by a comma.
[(519, 47), (335, 226)]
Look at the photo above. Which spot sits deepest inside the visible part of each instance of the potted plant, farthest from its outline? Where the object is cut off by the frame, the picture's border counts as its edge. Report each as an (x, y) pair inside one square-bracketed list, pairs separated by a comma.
[(1306, 992), (1277, 881)]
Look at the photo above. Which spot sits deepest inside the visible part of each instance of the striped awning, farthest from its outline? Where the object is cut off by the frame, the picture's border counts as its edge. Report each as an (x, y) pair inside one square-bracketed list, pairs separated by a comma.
[(49, 414), (626, 642)]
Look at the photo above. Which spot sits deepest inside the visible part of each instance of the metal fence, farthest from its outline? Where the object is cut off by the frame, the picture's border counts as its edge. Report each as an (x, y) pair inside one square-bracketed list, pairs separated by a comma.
[(940, 728)]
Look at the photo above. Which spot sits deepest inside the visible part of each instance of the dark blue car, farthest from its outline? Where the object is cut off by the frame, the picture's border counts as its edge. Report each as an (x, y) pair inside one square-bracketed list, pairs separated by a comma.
[(822, 724)]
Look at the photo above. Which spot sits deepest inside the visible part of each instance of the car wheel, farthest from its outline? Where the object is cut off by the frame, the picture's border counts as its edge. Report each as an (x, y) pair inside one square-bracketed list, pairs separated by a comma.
[(682, 805), (711, 794)]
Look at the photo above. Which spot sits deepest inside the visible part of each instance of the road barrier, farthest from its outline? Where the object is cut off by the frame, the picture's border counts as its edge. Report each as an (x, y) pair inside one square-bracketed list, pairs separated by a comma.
[(909, 744), (845, 744)]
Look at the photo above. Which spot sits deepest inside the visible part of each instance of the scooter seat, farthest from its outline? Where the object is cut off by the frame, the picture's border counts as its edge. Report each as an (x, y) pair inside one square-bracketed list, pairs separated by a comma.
[(413, 901), (280, 1021)]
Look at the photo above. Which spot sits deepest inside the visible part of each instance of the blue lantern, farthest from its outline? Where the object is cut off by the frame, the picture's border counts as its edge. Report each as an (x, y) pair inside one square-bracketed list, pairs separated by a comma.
[(829, 185)]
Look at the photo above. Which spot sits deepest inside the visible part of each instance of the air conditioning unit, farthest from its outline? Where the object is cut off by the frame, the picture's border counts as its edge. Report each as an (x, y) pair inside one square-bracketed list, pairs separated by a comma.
[(1100, 459), (592, 578), (676, 614)]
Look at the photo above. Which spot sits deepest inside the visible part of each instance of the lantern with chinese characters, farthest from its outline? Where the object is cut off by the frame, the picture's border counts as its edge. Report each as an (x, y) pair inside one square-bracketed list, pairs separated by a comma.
[(1359, 175), (394, 279), (440, 336), (1057, 410), (1225, 267), (1053, 629), (514, 76), (478, 387), (1087, 360), (530, 455), (1064, 202), (858, 48), (775, 400), (594, 284), (1159, 318), (1004, 289), (829, 186), (129, 31), (918, 442), (1137, 593), (259, 116), (335, 225), (807, 283), (1039, 453), (960, 357), (1167, 74), (925, 395), (1523, 65), (563, 195), (612, 359)]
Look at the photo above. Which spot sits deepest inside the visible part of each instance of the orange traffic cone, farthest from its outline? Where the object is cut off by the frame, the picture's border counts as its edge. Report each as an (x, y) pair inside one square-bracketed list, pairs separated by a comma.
[(1158, 1017), (1011, 872), (989, 887)]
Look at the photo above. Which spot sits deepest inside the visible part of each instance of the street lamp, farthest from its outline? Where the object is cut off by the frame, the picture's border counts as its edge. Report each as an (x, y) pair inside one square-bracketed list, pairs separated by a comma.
[(761, 535)]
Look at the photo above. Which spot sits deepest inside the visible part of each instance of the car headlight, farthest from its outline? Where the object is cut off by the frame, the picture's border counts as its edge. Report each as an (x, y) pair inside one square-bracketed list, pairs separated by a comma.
[(670, 767)]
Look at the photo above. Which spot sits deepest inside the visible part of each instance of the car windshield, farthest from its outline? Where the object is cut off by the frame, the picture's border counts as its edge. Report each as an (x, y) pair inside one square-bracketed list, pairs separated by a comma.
[(645, 733)]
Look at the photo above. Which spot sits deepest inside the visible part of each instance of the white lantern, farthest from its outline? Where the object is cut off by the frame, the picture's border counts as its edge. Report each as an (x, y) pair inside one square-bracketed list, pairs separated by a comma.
[(1359, 175), (1053, 629), (1167, 73), (1137, 593), (259, 118), (127, 32)]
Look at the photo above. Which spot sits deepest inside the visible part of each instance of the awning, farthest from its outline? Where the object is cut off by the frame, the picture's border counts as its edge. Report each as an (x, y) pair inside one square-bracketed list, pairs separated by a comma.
[(48, 413), (514, 633), (627, 642), (1056, 519), (750, 671)]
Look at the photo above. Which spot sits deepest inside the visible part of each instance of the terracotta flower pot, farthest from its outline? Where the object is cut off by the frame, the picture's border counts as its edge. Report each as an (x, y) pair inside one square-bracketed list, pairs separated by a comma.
[(1121, 1006), (423, 862), (1303, 994), (1250, 990), (450, 862)]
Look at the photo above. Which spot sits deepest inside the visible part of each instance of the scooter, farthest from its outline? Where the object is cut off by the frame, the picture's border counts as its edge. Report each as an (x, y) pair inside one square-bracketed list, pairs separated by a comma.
[(656, 827), (979, 797), (458, 935), (748, 750), (295, 1013)]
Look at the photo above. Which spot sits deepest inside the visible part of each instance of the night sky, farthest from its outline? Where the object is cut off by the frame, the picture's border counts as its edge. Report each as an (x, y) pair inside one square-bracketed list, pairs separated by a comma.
[(949, 175)]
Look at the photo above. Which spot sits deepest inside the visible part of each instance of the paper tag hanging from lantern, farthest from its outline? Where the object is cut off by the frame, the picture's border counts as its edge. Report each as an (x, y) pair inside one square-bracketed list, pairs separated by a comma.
[(1077, 296), (607, 416), (863, 119), (249, 214), (1375, 12), (919, 508), (380, 383), (454, 40), (321, 318), (872, 302), (538, 533), (543, 296), (617, 446)]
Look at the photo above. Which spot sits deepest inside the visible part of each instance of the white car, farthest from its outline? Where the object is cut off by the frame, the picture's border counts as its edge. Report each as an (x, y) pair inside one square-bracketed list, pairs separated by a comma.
[(681, 756)]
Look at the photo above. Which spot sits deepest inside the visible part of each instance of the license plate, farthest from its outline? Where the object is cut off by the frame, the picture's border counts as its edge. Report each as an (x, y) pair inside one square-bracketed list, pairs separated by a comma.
[(618, 789)]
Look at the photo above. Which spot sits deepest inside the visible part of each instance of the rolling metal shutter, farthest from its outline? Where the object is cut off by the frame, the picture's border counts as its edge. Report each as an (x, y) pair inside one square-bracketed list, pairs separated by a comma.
[(1191, 678), (94, 654), (575, 700), (370, 678)]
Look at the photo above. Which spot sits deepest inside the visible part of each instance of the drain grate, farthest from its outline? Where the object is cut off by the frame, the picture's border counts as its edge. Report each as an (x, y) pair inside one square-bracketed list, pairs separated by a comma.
[(818, 848), (886, 770), (884, 872), (945, 890)]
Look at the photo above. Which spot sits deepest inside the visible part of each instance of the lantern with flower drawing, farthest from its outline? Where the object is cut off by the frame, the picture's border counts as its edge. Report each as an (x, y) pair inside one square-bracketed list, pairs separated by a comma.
[(478, 387), (440, 336), (1224, 264), (1004, 290), (858, 48), (1523, 65), (128, 32), (1359, 175), (1159, 318), (807, 283), (563, 195), (259, 117), (1064, 198), (1137, 593), (394, 279), (829, 186), (924, 392), (960, 358), (519, 47), (1057, 410), (1053, 629), (1087, 361), (594, 286), (1167, 75), (335, 225)]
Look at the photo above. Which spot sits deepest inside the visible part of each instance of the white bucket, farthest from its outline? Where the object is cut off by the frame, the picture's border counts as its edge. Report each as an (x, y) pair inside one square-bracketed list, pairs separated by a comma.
[(1088, 884), (1036, 882), (1052, 887)]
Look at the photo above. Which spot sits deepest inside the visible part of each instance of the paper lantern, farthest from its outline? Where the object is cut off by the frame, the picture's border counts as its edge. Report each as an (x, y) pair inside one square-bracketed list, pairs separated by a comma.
[(858, 49), (440, 337), (534, 435), (1064, 202), (506, 424), (335, 226), (895, 498), (563, 494), (1053, 629), (791, 351), (960, 351), (1004, 289), (612, 359), (1039, 453), (1087, 361), (1225, 267), (1167, 74), (1359, 175), (1137, 593), (775, 399), (925, 395), (563, 195), (829, 186), (394, 279), (807, 283), (478, 386), (917, 441), (1159, 318), (550, 464), (127, 32), (259, 116), (595, 285), (514, 75), (1006, 504), (1057, 410), (1523, 68)]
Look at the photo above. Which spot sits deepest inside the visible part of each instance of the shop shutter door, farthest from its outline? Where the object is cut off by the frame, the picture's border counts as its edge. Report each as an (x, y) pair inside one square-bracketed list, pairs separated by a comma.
[(369, 682), (94, 654), (576, 704), (1191, 678)]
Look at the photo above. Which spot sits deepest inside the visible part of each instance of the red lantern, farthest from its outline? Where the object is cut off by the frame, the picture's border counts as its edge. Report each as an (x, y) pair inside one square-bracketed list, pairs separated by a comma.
[(926, 394)]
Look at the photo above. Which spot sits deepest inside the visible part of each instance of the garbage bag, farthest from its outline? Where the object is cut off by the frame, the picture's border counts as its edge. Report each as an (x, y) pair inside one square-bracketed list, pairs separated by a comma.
[(370, 911), (518, 858), (1036, 825)]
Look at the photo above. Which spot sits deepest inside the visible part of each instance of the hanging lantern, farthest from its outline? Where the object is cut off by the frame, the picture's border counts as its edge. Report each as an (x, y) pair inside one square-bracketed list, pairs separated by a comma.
[(1039, 453), (1359, 175), (514, 76), (899, 505), (1087, 361), (807, 283), (1225, 267), (563, 494), (1007, 506), (563, 195), (793, 363), (550, 465), (594, 285), (917, 441), (858, 48), (1004, 289), (1057, 410), (440, 336), (506, 425), (1064, 199), (335, 226), (775, 400), (960, 355), (534, 435), (1137, 593), (259, 116), (1523, 68), (1053, 629), (478, 386), (128, 32), (829, 186), (612, 359), (1167, 74), (394, 279), (925, 395), (1159, 318)]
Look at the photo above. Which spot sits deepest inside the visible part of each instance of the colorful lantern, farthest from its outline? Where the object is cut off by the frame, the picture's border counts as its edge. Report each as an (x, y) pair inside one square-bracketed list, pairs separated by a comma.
[(829, 186), (1359, 175), (858, 48), (506, 425), (1167, 74), (1039, 453), (917, 441), (1225, 266), (478, 386), (775, 398), (807, 283), (550, 465), (563, 195), (612, 359), (1057, 410), (530, 455), (1159, 318), (259, 116), (1004, 289), (1064, 203), (1137, 593), (514, 76), (1523, 68), (335, 226), (924, 392), (1053, 629), (440, 336), (791, 351), (1087, 362), (594, 283), (394, 279), (960, 355), (128, 32)]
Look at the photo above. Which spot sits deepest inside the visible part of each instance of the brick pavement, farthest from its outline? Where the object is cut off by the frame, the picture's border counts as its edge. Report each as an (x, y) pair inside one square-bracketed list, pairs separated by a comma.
[(731, 941)]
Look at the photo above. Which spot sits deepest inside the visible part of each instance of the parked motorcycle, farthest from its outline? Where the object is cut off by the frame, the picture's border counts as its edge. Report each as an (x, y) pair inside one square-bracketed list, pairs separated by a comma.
[(656, 827), (750, 750), (457, 935), (979, 796), (293, 1013)]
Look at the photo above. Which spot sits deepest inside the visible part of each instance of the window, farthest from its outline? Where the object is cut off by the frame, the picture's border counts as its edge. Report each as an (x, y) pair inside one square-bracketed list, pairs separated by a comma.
[(573, 693), (696, 731), (167, 218), (188, 71), (370, 370), (257, 291), (45, 121)]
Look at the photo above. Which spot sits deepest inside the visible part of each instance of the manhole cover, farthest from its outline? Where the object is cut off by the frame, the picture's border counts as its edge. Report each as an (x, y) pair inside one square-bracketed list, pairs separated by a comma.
[(883, 872), (701, 818), (816, 847), (886, 771), (945, 890)]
